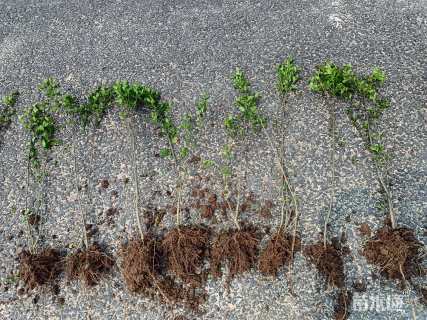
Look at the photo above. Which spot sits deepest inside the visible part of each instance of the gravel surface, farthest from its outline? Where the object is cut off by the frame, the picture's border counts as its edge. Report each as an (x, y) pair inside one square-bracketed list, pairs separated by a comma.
[(184, 48)]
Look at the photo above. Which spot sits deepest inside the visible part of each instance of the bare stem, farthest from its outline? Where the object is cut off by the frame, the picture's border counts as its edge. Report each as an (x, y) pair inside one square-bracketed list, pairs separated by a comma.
[(178, 202), (384, 186), (283, 174), (332, 196), (32, 242), (282, 211), (79, 200), (236, 213), (131, 131)]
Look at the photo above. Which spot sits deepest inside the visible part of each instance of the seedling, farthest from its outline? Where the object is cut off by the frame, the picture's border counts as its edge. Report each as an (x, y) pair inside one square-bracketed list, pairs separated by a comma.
[(129, 97), (365, 108), (141, 257), (237, 247), (38, 120), (90, 262), (186, 246), (39, 268), (282, 245)]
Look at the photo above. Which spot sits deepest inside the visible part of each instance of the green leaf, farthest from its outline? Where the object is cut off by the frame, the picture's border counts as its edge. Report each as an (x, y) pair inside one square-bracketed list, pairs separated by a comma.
[(165, 152)]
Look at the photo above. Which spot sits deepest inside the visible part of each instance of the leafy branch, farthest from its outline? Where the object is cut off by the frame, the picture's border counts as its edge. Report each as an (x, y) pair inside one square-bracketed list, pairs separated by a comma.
[(7, 111), (365, 109)]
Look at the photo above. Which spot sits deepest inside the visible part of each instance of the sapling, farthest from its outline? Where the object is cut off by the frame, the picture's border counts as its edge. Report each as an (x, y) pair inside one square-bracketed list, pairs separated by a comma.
[(280, 248), (142, 265), (365, 108), (395, 250), (238, 247), (90, 262), (129, 97), (186, 245), (38, 267)]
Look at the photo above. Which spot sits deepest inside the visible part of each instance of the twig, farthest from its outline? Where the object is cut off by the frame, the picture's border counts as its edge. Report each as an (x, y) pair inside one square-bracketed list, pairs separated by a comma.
[(383, 185), (79, 201), (31, 240), (236, 213), (178, 202), (332, 196), (135, 178)]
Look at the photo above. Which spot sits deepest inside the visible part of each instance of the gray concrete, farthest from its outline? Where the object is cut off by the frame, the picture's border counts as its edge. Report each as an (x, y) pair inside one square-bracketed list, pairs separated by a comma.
[(184, 48)]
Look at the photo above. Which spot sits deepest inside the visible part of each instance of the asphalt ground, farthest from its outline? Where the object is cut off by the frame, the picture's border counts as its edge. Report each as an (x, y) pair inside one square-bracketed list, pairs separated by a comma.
[(185, 48)]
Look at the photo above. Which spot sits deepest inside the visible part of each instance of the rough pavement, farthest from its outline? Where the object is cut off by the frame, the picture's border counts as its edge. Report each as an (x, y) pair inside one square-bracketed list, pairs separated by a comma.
[(184, 48)]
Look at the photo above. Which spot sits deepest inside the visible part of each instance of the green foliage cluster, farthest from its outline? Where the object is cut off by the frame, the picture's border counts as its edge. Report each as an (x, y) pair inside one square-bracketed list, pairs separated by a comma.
[(38, 120), (93, 110), (343, 82), (202, 107), (288, 74), (247, 104), (7, 109), (130, 96), (190, 125), (366, 104)]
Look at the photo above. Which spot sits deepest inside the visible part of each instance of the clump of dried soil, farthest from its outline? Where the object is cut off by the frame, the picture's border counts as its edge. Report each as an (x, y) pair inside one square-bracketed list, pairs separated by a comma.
[(89, 265), (279, 251), (237, 249), (328, 261), (40, 268), (396, 252), (186, 248)]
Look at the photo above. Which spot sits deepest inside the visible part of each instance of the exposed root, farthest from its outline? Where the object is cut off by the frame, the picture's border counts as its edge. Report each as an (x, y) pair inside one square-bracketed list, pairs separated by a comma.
[(396, 252), (186, 248), (40, 268), (342, 307), (142, 269), (89, 265), (238, 249), (328, 261), (277, 253)]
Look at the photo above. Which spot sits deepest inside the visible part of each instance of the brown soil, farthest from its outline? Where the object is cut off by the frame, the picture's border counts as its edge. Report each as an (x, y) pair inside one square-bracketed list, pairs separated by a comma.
[(88, 265), (341, 309), (104, 183), (153, 217), (365, 230), (238, 249), (208, 211), (359, 286), (265, 210), (278, 253), (186, 248), (423, 294), (34, 220), (396, 252), (328, 262), (91, 230), (40, 268)]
